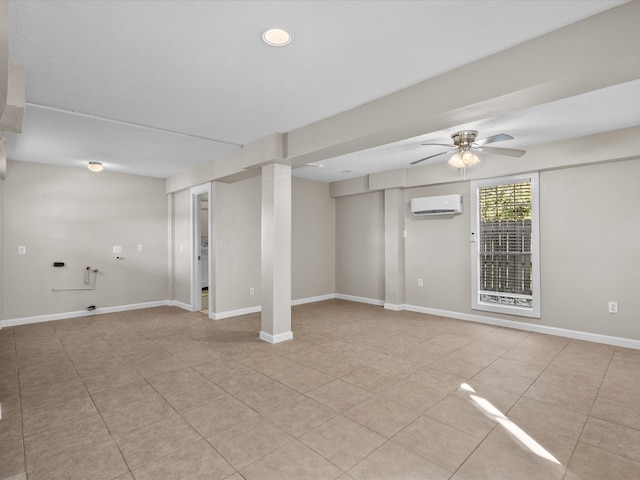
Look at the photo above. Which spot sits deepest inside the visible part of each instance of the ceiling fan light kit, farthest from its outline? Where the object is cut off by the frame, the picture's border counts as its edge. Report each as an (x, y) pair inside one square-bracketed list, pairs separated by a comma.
[(463, 159)]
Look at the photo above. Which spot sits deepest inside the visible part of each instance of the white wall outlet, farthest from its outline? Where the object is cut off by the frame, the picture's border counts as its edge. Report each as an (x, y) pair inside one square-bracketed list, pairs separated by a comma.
[(613, 307), (140, 247), (252, 291), (117, 249), (22, 250), (420, 282)]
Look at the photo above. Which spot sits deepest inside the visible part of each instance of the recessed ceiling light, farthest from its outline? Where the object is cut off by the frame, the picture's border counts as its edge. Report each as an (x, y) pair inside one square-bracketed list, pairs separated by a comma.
[(95, 166), (276, 37)]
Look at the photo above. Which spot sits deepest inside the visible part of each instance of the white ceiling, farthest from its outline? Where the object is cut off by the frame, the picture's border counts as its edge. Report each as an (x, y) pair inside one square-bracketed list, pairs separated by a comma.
[(158, 87)]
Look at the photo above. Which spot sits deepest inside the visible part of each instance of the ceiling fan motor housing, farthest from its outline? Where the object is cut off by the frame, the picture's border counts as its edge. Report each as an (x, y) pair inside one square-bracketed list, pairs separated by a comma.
[(464, 138)]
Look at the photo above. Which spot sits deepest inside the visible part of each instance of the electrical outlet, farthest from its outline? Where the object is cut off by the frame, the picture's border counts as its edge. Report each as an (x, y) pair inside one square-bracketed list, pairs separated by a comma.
[(613, 307), (252, 291), (140, 247), (420, 282), (117, 249), (22, 250)]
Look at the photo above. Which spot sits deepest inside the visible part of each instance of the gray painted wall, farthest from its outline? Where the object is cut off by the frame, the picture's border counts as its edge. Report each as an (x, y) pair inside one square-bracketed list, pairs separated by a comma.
[(313, 240), (360, 245), (236, 220), (589, 231), (75, 216), (437, 250), (235, 212), (589, 225), (181, 222)]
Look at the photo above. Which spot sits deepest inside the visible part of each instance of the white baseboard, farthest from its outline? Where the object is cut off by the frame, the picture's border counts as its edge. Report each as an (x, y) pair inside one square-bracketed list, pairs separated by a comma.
[(280, 337), (395, 308), (530, 327), (235, 313), (134, 306), (352, 298), (173, 303), (319, 298), (14, 322), (258, 308), (184, 306)]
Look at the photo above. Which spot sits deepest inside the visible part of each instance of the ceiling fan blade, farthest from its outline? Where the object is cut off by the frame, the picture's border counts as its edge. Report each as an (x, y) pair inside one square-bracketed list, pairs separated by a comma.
[(501, 137), (512, 152), (432, 156), (439, 144)]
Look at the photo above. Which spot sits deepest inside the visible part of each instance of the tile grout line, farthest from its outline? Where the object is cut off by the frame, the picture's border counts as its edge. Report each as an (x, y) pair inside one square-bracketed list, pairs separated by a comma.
[(24, 446), (584, 426)]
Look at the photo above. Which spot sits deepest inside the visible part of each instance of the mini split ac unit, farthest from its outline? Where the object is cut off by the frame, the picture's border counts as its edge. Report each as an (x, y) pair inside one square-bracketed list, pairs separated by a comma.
[(441, 205)]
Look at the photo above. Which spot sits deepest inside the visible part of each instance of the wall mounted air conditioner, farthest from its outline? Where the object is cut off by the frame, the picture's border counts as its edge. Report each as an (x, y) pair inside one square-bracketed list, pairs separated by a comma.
[(441, 205)]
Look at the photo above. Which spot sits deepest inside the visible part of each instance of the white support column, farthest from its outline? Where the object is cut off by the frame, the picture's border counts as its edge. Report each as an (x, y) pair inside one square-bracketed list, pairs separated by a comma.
[(276, 253), (3, 155), (393, 249)]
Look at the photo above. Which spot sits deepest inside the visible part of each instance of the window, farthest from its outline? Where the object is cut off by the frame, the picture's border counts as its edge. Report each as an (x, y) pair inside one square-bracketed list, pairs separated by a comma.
[(505, 259)]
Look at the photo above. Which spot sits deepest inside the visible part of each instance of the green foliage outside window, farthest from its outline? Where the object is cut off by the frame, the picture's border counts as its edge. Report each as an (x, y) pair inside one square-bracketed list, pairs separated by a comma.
[(505, 202)]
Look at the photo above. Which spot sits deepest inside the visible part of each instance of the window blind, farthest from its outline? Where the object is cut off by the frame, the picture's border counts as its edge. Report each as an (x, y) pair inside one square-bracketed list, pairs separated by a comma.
[(505, 262)]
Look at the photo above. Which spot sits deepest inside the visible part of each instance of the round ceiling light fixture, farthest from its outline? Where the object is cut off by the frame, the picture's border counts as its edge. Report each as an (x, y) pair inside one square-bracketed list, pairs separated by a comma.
[(276, 37), (95, 166)]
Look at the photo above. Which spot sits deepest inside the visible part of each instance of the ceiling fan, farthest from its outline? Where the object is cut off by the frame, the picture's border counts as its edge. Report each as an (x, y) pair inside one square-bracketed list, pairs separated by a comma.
[(465, 146)]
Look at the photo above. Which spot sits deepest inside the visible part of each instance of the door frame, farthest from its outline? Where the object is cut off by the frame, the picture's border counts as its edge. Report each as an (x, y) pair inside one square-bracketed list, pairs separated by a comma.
[(196, 274)]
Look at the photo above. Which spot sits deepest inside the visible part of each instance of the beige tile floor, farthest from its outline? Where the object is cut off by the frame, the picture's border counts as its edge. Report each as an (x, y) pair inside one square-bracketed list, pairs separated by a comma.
[(359, 393)]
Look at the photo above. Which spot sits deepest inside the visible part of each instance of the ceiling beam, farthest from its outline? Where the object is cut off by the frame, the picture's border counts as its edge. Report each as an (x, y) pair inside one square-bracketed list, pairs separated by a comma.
[(239, 165), (12, 96), (12, 116)]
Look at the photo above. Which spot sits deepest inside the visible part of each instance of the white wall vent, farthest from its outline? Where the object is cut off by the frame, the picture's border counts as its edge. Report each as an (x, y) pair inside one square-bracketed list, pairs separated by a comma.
[(441, 205)]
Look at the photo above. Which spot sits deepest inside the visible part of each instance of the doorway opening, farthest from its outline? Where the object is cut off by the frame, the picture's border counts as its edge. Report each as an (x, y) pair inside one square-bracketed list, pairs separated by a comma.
[(201, 299)]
